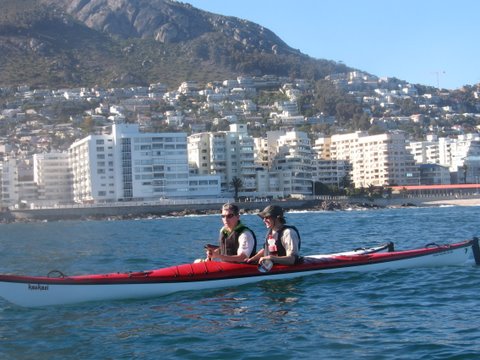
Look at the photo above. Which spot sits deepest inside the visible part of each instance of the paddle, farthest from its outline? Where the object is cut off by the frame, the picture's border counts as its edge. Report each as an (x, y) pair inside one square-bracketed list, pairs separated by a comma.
[(265, 266)]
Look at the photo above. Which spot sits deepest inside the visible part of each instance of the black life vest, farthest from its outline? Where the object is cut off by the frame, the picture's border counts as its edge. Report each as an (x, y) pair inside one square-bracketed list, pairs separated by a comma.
[(278, 242), (229, 240)]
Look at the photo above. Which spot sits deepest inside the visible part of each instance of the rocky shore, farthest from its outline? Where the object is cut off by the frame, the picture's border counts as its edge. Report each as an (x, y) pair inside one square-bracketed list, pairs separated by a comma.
[(126, 212)]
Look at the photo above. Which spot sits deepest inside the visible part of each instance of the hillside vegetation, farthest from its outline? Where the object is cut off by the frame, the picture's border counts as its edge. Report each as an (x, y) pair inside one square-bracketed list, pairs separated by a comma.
[(54, 43)]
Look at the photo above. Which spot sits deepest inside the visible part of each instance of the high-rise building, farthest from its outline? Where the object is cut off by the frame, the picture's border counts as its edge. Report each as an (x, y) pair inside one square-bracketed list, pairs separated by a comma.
[(52, 174), (229, 154), (16, 179), (329, 171), (130, 165), (292, 163), (425, 152), (8, 196), (332, 172), (377, 160), (462, 156)]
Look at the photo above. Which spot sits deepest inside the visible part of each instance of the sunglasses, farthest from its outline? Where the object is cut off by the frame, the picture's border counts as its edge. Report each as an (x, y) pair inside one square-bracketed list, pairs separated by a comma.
[(228, 216)]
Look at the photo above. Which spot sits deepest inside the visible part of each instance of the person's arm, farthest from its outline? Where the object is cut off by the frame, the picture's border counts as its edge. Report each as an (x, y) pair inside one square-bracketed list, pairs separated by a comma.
[(284, 260), (256, 258), (229, 258)]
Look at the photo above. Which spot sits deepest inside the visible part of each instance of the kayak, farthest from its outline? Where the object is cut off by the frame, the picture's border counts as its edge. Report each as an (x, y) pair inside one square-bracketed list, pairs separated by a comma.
[(57, 288)]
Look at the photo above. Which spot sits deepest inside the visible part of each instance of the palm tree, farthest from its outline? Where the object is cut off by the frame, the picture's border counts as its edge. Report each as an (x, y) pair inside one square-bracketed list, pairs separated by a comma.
[(371, 190), (465, 168), (237, 184)]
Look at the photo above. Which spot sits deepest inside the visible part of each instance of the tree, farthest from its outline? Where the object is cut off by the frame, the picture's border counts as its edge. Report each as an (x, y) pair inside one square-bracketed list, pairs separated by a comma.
[(237, 184), (320, 188), (464, 168), (371, 191), (88, 124), (346, 184)]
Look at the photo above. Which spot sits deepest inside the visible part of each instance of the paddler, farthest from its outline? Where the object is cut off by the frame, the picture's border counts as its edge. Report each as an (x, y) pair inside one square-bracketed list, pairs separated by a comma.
[(282, 243), (237, 242)]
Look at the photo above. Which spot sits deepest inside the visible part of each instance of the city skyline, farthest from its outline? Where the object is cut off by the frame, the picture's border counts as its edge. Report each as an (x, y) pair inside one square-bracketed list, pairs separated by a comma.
[(420, 42), (129, 165)]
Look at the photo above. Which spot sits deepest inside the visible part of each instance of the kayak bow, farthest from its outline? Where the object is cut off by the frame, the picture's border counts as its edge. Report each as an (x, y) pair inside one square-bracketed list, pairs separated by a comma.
[(31, 291)]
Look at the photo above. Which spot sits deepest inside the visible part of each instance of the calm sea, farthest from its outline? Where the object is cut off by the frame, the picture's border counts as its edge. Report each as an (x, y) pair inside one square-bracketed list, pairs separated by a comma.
[(429, 313)]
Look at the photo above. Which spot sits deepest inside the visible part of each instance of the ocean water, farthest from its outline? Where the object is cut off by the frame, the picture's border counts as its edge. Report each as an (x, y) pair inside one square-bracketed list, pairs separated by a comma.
[(423, 313)]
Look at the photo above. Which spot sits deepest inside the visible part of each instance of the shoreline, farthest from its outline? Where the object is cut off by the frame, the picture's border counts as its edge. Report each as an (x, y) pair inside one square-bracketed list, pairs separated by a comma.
[(456, 202), (126, 212)]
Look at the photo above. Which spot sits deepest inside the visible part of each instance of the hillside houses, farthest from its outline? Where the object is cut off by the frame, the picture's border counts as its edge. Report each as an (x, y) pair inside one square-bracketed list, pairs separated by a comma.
[(221, 118)]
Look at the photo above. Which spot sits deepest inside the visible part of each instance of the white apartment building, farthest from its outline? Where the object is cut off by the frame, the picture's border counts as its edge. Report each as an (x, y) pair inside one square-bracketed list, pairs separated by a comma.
[(8, 176), (292, 163), (199, 159), (16, 180), (462, 156), (51, 173), (130, 165), (376, 160), (93, 172), (327, 170), (284, 164), (228, 154), (261, 153), (331, 172), (425, 152)]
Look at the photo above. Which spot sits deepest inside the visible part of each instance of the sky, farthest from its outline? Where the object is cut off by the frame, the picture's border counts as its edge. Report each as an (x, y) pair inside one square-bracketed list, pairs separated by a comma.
[(424, 42)]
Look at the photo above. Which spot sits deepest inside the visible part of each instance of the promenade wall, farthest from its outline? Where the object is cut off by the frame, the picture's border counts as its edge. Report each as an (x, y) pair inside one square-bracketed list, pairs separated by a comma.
[(181, 208), (145, 210)]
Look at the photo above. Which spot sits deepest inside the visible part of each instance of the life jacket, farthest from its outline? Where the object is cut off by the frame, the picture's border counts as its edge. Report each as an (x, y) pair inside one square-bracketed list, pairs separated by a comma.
[(229, 240), (278, 242)]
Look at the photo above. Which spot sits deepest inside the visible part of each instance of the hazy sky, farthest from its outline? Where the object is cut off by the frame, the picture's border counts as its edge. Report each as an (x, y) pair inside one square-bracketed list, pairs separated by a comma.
[(420, 41)]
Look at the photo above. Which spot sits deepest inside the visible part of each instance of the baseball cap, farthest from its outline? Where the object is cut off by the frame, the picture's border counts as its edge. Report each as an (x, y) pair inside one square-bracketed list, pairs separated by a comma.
[(271, 210)]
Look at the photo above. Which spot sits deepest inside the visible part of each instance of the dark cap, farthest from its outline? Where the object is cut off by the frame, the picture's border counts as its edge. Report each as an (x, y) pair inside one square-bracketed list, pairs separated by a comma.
[(271, 210)]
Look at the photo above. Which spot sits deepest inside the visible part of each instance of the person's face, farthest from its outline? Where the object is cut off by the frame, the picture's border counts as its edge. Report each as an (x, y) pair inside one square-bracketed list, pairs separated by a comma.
[(229, 219), (269, 222)]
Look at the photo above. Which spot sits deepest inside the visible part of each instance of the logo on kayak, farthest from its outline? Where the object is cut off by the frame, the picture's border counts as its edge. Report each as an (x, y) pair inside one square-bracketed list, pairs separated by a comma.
[(37, 287)]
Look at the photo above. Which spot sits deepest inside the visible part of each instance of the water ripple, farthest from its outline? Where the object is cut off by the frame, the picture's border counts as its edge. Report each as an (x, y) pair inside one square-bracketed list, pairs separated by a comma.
[(405, 314)]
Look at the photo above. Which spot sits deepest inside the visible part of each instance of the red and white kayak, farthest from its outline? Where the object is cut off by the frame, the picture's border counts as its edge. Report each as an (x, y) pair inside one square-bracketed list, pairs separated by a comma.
[(31, 291)]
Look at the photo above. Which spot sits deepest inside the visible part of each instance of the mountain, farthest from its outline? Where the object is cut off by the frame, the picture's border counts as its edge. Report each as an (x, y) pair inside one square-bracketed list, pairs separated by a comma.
[(61, 43)]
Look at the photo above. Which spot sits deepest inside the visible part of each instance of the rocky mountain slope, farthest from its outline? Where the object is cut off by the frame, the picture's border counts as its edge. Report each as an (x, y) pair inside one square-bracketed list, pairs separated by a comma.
[(136, 42)]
